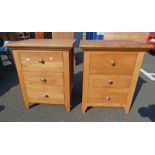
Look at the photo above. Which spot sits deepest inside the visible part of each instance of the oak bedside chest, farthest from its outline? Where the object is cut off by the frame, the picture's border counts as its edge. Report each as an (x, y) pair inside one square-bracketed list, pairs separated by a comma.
[(110, 72), (45, 70)]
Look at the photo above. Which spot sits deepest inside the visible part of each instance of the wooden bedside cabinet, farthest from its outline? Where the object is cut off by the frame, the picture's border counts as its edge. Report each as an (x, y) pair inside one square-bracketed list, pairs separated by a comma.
[(110, 72), (45, 70)]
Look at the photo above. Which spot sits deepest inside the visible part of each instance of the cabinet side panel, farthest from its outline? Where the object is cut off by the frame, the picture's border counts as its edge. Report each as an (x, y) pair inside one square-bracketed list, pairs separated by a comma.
[(67, 91), (21, 78), (135, 77), (86, 67)]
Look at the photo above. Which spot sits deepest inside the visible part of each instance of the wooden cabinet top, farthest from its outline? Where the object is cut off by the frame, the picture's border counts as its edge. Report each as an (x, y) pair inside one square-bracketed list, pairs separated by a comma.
[(114, 44), (42, 44)]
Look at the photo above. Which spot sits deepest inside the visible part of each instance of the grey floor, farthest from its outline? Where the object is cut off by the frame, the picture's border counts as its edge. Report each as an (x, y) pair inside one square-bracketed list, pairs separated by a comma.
[(12, 107)]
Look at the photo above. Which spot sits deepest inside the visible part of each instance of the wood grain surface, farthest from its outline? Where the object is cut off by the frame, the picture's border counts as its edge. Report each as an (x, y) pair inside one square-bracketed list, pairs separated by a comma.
[(109, 81), (102, 62), (42, 44), (114, 44), (117, 61), (45, 70)]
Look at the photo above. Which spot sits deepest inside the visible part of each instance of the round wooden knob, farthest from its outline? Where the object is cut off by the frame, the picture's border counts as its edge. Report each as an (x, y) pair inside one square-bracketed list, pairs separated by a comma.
[(110, 82), (41, 61), (113, 63), (43, 80), (45, 95), (107, 98)]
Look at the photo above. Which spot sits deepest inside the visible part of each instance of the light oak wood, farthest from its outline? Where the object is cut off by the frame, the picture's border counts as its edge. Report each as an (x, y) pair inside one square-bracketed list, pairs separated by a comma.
[(138, 65), (44, 55), (109, 97), (45, 93), (85, 81), (43, 78), (45, 70), (112, 63), (113, 45), (42, 61), (67, 87), (42, 44), (99, 69), (21, 78), (109, 81)]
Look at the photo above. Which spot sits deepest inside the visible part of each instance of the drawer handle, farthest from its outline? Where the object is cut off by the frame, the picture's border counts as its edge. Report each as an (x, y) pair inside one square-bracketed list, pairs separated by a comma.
[(41, 61), (110, 82), (45, 96), (113, 63), (43, 80), (107, 98)]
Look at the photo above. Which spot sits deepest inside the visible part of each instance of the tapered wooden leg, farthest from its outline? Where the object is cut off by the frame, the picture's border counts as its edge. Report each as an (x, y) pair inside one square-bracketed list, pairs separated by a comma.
[(126, 109), (68, 107), (27, 105), (84, 108)]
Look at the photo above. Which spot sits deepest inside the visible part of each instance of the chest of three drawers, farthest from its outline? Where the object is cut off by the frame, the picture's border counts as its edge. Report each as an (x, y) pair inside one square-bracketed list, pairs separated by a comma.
[(110, 72), (45, 70)]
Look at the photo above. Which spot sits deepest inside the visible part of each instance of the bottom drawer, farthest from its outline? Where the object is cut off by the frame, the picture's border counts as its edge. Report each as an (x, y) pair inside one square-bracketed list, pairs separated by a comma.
[(107, 97), (45, 94)]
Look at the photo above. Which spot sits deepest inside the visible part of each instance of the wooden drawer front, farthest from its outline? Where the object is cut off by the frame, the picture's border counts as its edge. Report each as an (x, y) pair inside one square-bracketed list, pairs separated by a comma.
[(109, 81), (100, 96), (46, 61), (112, 63), (45, 94), (44, 78)]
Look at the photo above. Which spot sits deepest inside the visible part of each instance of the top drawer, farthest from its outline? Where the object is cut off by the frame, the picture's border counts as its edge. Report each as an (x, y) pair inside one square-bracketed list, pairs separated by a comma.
[(112, 62), (41, 61)]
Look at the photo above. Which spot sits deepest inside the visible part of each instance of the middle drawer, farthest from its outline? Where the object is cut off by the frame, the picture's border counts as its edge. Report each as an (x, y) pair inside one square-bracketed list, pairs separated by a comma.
[(43, 78), (109, 81)]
